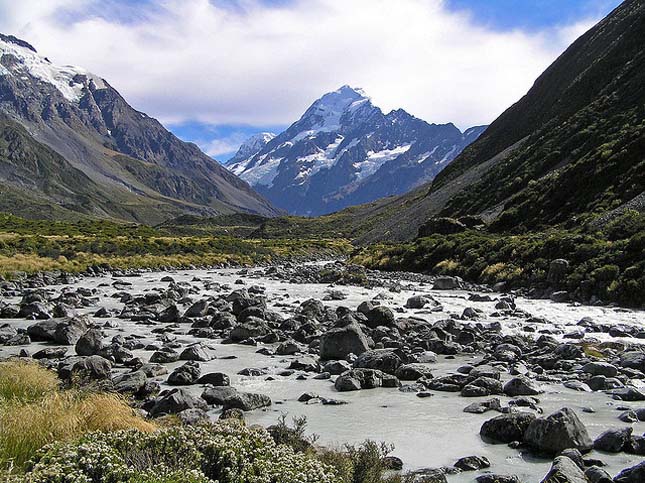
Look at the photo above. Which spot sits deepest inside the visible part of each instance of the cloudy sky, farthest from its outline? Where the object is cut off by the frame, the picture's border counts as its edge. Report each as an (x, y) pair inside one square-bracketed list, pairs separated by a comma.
[(217, 71)]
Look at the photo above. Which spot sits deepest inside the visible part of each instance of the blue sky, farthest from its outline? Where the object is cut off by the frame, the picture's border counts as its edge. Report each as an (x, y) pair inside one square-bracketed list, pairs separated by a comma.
[(218, 71)]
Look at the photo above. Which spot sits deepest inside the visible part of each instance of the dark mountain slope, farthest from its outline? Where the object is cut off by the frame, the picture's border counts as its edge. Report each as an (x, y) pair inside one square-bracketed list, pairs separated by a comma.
[(568, 151), (125, 152)]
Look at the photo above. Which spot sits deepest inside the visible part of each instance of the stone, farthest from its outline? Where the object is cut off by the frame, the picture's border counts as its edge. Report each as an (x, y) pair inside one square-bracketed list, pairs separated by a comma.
[(176, 401), (412, 372), (215, 379), (564, 470), (597, 475), (380, 316), (338, 343), (164, 356), (357, 379), (90, 343), (507, 427), (446, 283), (91, 368), (633, 360), (385, 360), (185, 375), (559, 431), (472, 463), (521, 386), (196, 352), (613, 440), (635, 474), (600, 369), (130, 382)]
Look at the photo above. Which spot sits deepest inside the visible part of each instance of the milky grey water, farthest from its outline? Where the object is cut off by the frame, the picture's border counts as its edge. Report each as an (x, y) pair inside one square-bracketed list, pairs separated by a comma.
[(428, 432)]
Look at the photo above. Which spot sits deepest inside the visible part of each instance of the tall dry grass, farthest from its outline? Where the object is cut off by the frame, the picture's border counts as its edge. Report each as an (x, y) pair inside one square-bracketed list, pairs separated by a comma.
[(35, 412), (22, 381)]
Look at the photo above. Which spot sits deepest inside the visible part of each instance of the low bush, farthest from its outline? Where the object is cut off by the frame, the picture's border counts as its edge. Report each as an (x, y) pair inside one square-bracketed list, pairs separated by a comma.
[(226, 452)]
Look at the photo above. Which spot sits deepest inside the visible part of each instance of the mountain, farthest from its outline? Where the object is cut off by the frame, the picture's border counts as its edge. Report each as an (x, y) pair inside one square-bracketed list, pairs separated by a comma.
[(570, 152), (248, 149), (109, 159), (344, 151)]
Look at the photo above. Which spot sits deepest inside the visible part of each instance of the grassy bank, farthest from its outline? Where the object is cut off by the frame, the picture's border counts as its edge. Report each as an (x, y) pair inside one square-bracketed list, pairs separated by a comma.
[(51, 435), (608, 264), (34, 245)]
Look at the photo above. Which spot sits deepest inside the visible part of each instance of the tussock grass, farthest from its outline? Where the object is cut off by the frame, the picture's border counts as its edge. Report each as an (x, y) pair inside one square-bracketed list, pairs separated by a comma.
[(36, 412), (22, 381)]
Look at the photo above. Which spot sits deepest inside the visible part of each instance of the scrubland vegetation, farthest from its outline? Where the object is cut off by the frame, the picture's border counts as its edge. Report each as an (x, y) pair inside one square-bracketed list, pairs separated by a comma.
[(54, 435)]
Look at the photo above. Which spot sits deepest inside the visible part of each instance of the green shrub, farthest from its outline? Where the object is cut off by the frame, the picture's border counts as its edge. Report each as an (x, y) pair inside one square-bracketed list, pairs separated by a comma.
[(226, 452)]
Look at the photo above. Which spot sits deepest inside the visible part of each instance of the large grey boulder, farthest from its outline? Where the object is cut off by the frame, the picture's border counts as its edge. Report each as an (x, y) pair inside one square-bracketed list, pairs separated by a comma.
[(521, 386), (507, 427), (380, 316), (230, 398), (600, 369), (635, 474), (633, 360), (176, 401), (90, 343), (557, 432), (185, 375), (564, 470), (357, 379), (196, 352), (613, 440), (385, 360), (339, 342)]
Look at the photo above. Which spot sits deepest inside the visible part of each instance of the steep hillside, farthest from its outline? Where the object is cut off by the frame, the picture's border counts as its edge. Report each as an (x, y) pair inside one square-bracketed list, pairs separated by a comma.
[(126, 153), (567, 152)]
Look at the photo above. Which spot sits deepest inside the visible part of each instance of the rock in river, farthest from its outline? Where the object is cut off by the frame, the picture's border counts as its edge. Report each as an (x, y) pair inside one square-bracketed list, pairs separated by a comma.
[(559, 431)]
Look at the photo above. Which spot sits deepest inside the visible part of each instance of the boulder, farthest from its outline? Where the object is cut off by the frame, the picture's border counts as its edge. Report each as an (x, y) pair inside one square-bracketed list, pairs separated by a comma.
[(338, 343), (380, 316), (446, 283), (472, 463), (507, 427), (521, 386), (91, 368), (597, 475), (357, 379), (176, 401), (185, 375), (215, 379), (195, 352), (559, 431), (635, 474), (564, 470), (600, 369), (633, 360), (613, 440), (90, 343), (385, 360), (412, 372)]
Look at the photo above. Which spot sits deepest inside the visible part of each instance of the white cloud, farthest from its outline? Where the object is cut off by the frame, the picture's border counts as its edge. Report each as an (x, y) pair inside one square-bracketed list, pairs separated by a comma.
[(260, 65)]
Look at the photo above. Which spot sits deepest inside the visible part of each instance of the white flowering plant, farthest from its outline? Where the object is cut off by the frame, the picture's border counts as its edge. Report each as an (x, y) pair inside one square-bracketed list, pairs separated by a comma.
[(226, 452)]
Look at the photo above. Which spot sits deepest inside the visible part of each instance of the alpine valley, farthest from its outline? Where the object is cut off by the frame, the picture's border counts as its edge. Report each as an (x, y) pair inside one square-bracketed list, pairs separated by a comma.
[(345, 151), (71, 146)]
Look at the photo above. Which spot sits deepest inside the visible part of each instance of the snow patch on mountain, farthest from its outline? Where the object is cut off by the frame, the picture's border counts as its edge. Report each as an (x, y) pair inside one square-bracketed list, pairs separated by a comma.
[(16, 59), (377, 159)]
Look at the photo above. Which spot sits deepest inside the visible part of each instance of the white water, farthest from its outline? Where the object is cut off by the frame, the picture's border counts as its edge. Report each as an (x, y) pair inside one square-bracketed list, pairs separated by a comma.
[(427, 432)]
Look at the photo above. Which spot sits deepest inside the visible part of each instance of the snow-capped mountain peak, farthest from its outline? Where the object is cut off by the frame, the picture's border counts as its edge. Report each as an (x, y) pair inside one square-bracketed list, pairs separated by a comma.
[(19, 58), (344, 151), (254, 144)]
